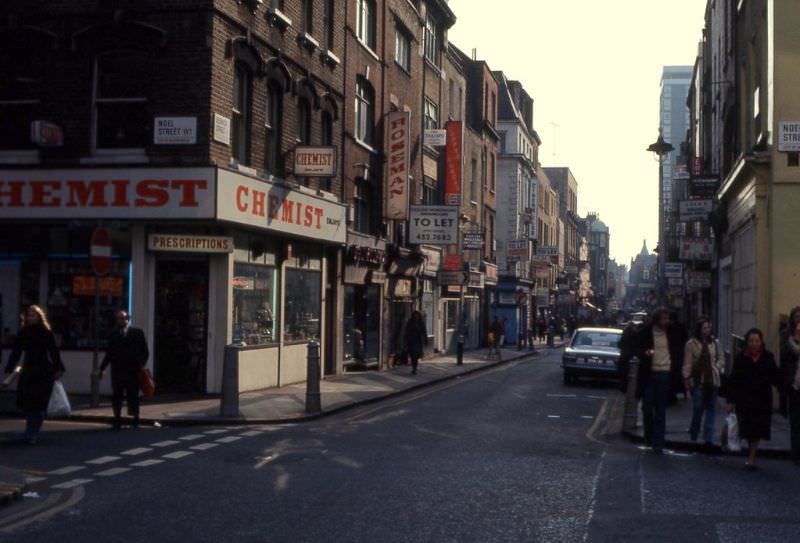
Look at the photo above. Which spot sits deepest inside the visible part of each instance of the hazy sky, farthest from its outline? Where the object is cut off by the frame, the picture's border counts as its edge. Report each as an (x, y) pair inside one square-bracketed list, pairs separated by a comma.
[(593, 69)]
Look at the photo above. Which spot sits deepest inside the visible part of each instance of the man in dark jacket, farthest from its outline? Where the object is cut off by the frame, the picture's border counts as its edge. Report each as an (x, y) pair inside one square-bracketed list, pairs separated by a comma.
[(660, 353), (416, 337), (127, 354)]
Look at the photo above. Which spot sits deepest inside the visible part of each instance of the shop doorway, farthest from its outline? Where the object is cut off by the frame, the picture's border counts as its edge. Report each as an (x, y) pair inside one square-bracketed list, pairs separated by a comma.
[(181, 324), (361, 326)]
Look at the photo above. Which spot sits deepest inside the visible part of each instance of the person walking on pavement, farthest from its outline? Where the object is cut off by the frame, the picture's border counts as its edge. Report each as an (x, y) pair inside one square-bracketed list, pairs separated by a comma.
[(416, 337), (492, 337), (660, 351), (41, 366), (501, 333), (127, 354), (790, 369), (785, 354), (702, 369), (542, 328), (753, 375)]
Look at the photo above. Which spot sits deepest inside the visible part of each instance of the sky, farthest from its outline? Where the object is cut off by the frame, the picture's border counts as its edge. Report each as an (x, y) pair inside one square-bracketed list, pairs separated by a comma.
[(594, 71)]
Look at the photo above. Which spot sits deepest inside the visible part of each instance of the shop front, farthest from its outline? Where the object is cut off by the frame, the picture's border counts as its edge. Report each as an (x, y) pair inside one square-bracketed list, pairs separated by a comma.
[(430, 298), (201, 258), (402, 282)]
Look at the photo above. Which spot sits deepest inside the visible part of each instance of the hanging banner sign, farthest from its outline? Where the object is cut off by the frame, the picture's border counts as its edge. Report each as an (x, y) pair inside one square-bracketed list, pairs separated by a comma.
[(452, 180), (472, 241), (397, 152), (314, 161), (695, 210), (673, 269), (434, 225), (699, 279)]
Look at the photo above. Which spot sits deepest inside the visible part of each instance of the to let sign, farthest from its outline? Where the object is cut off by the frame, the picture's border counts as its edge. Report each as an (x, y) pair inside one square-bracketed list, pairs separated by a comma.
[(789, 136), (175, 130), (398, 123), (434, 225), (314, 161)]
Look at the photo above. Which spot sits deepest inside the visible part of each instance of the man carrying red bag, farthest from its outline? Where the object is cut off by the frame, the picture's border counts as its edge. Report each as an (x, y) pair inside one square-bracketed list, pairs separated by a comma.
[(127, 354)]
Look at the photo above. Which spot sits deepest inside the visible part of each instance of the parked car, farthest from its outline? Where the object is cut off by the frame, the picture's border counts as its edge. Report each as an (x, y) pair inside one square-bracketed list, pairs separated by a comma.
[(592, 352)]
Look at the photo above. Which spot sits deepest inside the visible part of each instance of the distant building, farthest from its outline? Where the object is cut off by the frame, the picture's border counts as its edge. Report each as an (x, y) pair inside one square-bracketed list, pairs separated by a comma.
[(641, 287)]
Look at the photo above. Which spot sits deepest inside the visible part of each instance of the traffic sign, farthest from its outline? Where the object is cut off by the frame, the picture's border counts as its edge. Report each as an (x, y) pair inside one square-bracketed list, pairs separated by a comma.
[(100, 251)]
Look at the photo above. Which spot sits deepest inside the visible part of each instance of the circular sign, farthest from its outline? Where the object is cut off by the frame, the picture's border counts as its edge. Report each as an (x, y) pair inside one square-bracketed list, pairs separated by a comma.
[(100, 251)]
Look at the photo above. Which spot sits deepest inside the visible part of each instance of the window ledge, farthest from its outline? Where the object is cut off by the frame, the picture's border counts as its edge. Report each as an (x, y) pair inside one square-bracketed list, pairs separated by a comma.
[(307, 41), (365, 145), (403, 68), (432, 66), (20, 157), (130, 156), (329, 58), (276, 17), (368, 49)]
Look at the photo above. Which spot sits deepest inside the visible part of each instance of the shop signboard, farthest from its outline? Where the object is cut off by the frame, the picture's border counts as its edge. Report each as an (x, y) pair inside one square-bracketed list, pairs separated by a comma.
[(517, 249), (175, 130), (547, 251), (491, 273), (180, 243), (433, 260), (789, 136), (453, 277), (397, 152), (123, 193), (475, 279), (675, 281), (673, 269), (507, 298), (699, 279), (696, 249), (433, 225), (110, 285), (312, 161), (452, 164), (472, 241), (435, 137), (703, 187), (695, 210), (244, 200), (453, 263)]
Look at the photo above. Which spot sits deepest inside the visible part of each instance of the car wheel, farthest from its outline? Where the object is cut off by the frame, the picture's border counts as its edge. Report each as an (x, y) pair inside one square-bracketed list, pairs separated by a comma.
[(568, 378)]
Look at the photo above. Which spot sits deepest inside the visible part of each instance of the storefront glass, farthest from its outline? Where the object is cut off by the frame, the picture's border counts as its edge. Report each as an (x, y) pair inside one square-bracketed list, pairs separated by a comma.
[(361, 324), (302, 294), (255, 304)]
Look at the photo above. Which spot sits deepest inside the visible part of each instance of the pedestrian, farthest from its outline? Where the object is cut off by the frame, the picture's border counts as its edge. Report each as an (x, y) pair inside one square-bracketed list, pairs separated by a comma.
[(562, 328), (416, 337), (786, 357), (127, 355), (501, 332), (660, 350), (542, 328), (41, 366), (492, 336), (702, 369), (753, 375), (790, 369)]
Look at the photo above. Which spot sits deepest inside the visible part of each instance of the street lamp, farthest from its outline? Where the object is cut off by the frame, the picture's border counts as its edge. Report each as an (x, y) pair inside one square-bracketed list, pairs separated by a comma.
[(661, 149)]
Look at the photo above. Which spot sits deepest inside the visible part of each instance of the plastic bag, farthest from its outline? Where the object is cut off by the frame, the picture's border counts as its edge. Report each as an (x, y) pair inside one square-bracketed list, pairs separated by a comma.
[(730, 434), (59, 406)]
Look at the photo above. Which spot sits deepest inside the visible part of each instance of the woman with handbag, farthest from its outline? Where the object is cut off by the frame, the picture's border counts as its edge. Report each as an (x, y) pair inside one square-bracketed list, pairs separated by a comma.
[(41, 366), (750, 392), (702, 368)]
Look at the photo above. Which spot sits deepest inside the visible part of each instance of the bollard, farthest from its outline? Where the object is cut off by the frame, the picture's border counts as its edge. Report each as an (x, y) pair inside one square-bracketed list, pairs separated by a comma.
[(631, 415), (229, 402), (313, 404), (460, 350)]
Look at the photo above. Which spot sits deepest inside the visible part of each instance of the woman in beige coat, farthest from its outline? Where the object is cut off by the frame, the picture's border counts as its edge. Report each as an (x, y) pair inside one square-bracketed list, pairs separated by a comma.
[(702, 366)]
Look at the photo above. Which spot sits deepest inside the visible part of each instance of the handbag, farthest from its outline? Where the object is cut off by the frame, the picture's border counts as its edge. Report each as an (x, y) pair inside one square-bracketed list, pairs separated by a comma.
[(58, 406), (146, 383), (730, 434)]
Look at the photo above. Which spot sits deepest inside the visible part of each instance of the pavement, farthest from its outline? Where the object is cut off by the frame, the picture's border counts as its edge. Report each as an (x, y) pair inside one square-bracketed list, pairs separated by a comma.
[(280, 405), (679, 417)]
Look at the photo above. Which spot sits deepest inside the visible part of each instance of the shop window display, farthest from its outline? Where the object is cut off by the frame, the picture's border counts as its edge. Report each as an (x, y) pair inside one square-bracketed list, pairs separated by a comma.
[(255, 304), (303, 294)]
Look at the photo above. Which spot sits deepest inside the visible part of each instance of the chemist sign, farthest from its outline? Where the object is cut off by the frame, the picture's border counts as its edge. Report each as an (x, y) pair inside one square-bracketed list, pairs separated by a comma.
[(175, 130), (434, 225), (789, 136)]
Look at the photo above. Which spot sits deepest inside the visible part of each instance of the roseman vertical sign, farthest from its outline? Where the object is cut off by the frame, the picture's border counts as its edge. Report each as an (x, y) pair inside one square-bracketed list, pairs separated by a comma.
[(398, 123), (452, 165)]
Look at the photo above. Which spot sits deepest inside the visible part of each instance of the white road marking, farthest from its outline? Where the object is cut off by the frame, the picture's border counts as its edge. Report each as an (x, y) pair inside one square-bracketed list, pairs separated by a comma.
[(30, 479), (177, 454), (252, 433), (593, 500), (217, 431), (111, 472), (167, 443), (72, 484), (146, 463), (103, 460), (553, 416), (228, 439), (136, 452), (587, 416), (562, 395), (597, 397), (204, 446), (66, 470), (191, 437)]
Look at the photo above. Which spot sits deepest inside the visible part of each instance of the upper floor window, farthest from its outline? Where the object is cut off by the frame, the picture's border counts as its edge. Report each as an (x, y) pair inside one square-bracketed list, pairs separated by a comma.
[(431, 114), (473, 180), (120, 117), (19, 98), (273, 124), (240, 113), (363, 202), (328, 19), (304, 121), (432, 39), (402, 49), (365, 23), (364, 111), (307, 15)]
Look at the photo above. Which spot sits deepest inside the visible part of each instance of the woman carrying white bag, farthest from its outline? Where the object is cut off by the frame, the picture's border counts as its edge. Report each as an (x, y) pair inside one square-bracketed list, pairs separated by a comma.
[(41, 367)]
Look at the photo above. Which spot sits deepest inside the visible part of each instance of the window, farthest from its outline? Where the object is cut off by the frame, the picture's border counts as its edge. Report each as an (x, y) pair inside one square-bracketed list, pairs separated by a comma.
[(430, 194), (493, 111), (273, 125), (307, 15), (304, 121), (362, 199), (402, 49), (240, 114), (503, 149), (364, 111), (303, 296), (120, 100), (328, 21), (19, 98), (431, 114), (255, 304), (365, 24), (483, 169), (473, 181), (491, 172), (432, 40)]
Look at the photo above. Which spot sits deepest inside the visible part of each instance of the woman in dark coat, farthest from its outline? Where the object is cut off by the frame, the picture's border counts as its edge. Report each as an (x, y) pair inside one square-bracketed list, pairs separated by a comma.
[(416, 337), (753, 375), (41, 366)]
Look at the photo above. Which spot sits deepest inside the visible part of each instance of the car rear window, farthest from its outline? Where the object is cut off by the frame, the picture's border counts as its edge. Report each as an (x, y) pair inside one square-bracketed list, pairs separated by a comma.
[(597, 339)]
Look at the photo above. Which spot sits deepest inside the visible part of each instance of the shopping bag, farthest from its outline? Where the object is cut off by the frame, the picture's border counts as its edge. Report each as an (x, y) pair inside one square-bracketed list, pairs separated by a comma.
[(58, 406), (730, 434), (146, 383)]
